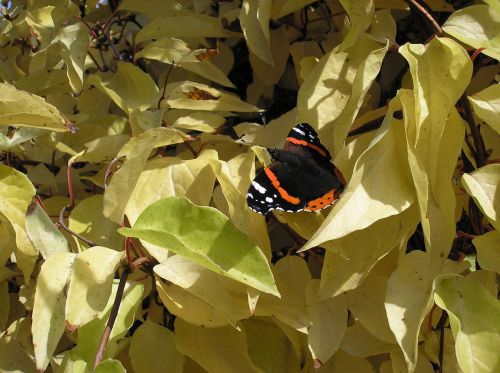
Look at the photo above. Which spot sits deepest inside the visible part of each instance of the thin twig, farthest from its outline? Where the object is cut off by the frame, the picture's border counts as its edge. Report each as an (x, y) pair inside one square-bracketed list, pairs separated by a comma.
[(111, 169), (427, 15), (440, 325), (172, 65), (112, 318), (69, 176), (65, 227)]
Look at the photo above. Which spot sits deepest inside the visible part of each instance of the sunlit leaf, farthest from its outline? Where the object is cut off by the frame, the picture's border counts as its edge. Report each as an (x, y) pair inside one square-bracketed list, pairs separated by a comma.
[(90, 285), (21, 108), (477, 26), (48, 309), (152, 349), (16, 193), (486, 105), (197, 96), (360, 15), (484, 186), (203, 234), (254, 19), (42, 232), (110, 366), (434, 132), (473, 316)]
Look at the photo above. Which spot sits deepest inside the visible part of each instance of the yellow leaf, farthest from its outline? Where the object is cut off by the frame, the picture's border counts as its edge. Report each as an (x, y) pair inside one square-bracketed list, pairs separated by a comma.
[(48, 309), (197, 96), (152, 350), (334, 89), (123, 86), (360, 15), (16, 193), (137, 151), (222, 350), (90, 285), (435, 5), (486, 105), (329, 322), (435, 133), (488, 254), (484, 186), (169, 176), (281, 8), (197, 121), (152, 10), (20, 108), (477, 26), (254, 20), (380, 185), (359, 342)]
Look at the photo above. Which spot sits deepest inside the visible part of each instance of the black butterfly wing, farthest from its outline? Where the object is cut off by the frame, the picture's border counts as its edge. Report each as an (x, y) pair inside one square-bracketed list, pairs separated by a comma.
[(304, 141)]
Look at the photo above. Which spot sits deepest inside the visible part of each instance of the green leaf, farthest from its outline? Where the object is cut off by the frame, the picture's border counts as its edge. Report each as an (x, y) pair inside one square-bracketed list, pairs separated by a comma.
[(329, 322), (488, 254), (486, 105), (477, 26), (90, 286), (21, 108), (222, 350), (42, 232), (473, 315), (484, 186), (152, 350), (48, 309), (205, 236), (110, 366)]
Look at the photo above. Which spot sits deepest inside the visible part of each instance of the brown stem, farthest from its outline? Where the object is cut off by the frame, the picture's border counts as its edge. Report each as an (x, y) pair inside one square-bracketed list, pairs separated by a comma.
[(172, 65), (427, 15), (480, 151), (112, 318), (69, 176), (65, 227)]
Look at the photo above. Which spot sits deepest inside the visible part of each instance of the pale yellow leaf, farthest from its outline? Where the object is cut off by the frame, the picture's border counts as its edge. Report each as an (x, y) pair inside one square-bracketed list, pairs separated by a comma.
[(20, 108), (360, 342), (281, 8), (488, 251), (48, 309), (360, 15), (254, 20), (484, 186), (477, 26), (486, 105), (328, 322), (90, 286), (222, 350)]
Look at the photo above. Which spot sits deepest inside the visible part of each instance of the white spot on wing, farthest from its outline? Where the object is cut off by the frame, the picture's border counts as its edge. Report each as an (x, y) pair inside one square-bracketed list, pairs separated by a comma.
[(269, 199), (259, 187), (299, 131), (250, 195)]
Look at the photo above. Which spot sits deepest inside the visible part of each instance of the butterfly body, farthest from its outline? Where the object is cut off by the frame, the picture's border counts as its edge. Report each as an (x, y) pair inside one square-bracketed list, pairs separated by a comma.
[(300, 178)]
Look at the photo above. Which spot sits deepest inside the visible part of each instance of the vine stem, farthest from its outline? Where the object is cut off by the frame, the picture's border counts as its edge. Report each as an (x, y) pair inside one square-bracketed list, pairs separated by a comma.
[(427, 15), (65, 227), (112, 317)]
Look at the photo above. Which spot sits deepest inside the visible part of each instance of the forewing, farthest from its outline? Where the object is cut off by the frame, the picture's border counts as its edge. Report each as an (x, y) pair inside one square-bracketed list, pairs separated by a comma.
[(304, 141)]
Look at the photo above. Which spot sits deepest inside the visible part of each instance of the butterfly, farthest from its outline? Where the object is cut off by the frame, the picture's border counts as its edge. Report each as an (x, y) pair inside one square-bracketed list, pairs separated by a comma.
[(300, 178)]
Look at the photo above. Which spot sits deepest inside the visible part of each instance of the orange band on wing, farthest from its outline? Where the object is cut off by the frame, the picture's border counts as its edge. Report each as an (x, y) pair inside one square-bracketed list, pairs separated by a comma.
[(322, 202), (283, 193), (305, 143)]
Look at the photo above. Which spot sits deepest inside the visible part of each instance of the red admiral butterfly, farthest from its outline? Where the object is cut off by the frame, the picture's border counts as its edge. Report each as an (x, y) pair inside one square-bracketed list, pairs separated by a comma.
[(301, 177)]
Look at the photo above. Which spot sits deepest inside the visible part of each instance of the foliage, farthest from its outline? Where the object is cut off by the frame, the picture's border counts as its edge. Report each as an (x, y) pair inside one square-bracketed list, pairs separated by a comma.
[(129, 132)]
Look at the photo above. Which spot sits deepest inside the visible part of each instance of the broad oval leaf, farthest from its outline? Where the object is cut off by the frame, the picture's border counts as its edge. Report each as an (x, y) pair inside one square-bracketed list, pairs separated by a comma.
[(486, 105), (205, 236), (473, 313), (90, 286), (20, 108)]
